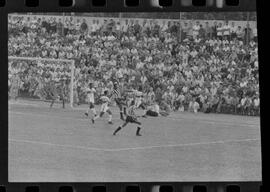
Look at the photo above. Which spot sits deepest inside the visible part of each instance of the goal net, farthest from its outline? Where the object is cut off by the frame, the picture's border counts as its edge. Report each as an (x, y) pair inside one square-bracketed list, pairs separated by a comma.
[(31, 77)]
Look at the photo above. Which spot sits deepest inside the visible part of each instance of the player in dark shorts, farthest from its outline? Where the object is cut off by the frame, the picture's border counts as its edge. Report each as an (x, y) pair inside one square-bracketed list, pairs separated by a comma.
[(117, 96), (131, 118), (151, 113)]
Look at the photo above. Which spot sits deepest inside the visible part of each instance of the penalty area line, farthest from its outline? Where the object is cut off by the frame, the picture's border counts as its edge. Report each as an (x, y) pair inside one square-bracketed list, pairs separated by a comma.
[(132, 148), (49, 115)]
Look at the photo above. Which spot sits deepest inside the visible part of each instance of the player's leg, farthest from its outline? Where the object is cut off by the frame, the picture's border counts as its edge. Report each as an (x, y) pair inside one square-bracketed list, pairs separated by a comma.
[(144, 108), (88, 109), (53, 96), (120, 108), (52, 102), (125, 110), (134, 120), (97, 116), (110, 116), (121, 111), (152, 113), (164, 113), (120, 127), (138, 131), (91, 108)]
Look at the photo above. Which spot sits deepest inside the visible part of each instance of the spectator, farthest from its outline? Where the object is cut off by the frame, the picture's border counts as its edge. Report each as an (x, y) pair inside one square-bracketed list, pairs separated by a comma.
[(239, 33), (196, 70), (220, 31), (208, 31), (233, 31), (227, 31), (84, 26), (247, 34), (255, 33), (196, 29), (214, 30)]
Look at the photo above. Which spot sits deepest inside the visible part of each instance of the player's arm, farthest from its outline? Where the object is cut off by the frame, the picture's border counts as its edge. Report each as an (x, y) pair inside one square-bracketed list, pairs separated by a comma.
[(111, 96)]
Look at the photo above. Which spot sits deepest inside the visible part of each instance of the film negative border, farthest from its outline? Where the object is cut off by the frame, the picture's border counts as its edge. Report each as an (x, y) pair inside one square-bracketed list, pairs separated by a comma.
[(126, 5), (8, 6), (134, 187)]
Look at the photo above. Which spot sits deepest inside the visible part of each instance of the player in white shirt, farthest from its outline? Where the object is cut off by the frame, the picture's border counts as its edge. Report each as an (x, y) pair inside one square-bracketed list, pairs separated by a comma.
[(90, 99), (104, 108)]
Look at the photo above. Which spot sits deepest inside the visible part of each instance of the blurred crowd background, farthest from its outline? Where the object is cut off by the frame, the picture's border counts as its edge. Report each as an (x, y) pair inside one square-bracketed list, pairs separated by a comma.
[(190, 61)]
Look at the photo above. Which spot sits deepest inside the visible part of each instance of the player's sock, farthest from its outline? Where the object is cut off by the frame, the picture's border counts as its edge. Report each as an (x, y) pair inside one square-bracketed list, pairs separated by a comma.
[(138, 131), (87, 112), (121, 115), (125, 111), (94, 111), (110, 119), (95, 118), (118, 129)]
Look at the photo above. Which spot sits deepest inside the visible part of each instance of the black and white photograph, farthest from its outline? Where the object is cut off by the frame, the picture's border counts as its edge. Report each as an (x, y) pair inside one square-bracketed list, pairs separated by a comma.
[(133, 97)]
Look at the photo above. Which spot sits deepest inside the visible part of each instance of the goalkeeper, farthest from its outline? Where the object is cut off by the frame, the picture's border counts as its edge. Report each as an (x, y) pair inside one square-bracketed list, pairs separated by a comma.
[(55, 94)]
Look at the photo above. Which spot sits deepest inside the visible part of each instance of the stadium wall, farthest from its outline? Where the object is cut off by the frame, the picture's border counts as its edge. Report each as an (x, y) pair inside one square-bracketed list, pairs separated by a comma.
[(89, 20)]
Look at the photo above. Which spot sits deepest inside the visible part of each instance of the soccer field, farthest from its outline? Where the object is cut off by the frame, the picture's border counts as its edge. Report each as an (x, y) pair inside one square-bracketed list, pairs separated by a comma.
[(57, 145)]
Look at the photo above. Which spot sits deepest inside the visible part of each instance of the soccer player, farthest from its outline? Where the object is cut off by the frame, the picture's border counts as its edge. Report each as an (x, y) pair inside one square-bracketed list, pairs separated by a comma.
[(154, 111), (104, 108), (139, 101), (54, 93), (90, 97), (131, 118), (116, 95)]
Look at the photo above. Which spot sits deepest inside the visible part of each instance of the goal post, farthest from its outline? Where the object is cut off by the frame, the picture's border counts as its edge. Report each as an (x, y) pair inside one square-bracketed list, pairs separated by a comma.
[(45, 62)]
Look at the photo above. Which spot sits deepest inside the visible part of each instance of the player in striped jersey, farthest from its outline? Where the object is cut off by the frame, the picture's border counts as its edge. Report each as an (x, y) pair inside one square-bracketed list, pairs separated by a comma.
[(104, 107), (131, 118), (117, 96)]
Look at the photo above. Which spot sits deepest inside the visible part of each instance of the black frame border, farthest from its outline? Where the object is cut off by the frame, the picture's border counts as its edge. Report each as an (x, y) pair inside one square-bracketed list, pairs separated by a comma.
[(118, 6)]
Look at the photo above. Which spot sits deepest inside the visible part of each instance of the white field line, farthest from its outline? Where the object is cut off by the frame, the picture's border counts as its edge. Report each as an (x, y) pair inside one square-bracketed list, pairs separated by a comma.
[(26, 104), (132, 148), (47, 115), (174, 119)]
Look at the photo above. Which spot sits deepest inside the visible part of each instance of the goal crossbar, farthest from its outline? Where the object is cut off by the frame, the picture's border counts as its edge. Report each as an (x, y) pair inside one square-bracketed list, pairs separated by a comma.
[(53, 60)]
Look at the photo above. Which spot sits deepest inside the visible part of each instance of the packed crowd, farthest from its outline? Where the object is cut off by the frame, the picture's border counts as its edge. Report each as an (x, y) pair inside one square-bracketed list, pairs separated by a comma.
[(213, 69)]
